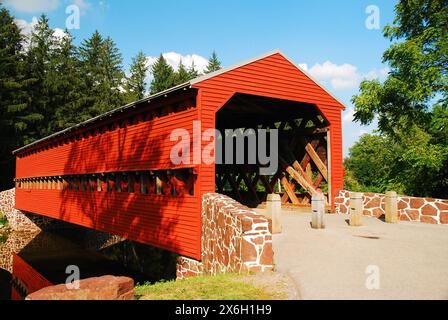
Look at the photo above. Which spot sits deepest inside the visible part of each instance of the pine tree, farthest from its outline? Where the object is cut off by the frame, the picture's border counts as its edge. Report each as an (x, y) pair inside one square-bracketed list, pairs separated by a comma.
[(14, 117), (68, 87), (111, 65), (89, 55), (39, 64), (213, 63), (163, 75), (101, 64), (192, 72), (135, 84), (182, 75)]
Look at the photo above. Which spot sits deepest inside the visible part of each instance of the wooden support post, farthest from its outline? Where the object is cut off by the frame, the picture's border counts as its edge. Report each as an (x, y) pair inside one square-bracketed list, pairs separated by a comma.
[(391, 207), (274, 206), (318, 210), (356, 208)]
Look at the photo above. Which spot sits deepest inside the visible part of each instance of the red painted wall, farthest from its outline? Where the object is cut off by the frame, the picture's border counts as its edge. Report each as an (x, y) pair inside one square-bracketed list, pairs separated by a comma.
[(28, 277), (275, 77), (165, 221)]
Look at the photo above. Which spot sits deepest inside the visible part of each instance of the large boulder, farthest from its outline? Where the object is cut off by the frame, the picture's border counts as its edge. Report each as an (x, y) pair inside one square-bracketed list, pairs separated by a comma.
[(100, 288)]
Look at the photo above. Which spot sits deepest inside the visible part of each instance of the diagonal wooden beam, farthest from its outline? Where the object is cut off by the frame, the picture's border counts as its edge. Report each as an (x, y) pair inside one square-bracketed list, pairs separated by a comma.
[(297, 173), (289, 190), (317, 161)]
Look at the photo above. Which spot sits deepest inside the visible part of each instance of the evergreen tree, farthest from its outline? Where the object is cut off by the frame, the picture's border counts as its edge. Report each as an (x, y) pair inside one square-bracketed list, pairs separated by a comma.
[(14, 100), (68, 87), (39, 64), (182, 75), (89, 55), (135, 84), (192, 72), (163, 75), (213, 63), (103, 75), (113, 76)]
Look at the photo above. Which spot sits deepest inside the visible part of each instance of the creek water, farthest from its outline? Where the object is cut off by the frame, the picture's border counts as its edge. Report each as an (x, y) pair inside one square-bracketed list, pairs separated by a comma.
[(30, 262)]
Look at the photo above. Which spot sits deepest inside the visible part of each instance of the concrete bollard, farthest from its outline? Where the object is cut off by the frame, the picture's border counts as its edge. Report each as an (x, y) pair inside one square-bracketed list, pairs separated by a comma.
[(391, 207), (274, 206), (356, 208), (318, 210)]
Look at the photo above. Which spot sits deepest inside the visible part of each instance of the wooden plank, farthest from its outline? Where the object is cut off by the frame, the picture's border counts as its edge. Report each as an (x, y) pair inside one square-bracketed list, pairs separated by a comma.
[(300, 176), (317, 161), (289, 191), (285, 196), (308, 171)]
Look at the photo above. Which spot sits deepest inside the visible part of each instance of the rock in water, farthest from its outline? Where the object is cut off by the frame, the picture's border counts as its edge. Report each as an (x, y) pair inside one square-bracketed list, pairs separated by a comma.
[(99, 288)]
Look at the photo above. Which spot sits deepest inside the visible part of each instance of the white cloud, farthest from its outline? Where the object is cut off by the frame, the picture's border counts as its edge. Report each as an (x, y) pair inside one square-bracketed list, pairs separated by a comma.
[(32, 6), (83, 5), (28, 27), (25, 26), (362, 132), (348, 115), (343, 77), (304, 66)]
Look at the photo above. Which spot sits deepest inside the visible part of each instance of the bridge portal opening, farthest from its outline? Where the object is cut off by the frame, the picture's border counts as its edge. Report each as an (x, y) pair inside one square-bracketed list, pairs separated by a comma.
[(301, 156)]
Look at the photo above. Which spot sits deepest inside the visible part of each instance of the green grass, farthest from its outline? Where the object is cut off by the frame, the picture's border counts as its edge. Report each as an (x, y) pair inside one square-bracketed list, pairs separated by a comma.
[(3, 220), (220, 287)]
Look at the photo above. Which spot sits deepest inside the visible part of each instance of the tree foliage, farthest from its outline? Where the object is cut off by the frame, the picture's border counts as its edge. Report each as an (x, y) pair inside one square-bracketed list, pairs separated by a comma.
[(136, 82), (14, 98), (411, 105), (213, 63)]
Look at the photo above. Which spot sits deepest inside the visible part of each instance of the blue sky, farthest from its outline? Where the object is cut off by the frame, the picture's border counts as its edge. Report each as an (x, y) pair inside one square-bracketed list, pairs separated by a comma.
[(329, 38)]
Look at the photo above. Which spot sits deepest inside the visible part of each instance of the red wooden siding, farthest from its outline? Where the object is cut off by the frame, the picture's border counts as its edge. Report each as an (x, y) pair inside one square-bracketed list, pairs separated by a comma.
[(26, 276), (275, 77), (138, 147), (168, 222)]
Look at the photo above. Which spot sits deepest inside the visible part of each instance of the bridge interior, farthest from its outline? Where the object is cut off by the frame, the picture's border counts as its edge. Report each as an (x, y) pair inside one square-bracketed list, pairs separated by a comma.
[(302, 150)]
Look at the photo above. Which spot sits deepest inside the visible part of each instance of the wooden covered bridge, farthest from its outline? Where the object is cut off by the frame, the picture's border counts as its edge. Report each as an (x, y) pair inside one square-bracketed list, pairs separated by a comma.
[(114, 173)]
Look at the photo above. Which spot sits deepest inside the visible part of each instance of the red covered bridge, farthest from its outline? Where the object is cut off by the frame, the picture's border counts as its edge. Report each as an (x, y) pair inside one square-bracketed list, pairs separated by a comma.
[(113, 173)]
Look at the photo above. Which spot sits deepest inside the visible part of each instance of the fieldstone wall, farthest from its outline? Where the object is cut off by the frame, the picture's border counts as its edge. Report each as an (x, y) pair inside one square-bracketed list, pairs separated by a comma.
[(235, 239), (426, 210), (186, 267)]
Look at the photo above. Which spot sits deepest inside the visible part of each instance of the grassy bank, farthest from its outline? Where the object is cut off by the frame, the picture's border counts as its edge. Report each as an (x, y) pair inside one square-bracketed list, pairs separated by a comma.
[(3, 227), (221, 287)]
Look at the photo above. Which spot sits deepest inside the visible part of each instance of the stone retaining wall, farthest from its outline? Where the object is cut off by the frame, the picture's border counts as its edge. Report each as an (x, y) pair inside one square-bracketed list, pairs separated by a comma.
[(235, 239), (426, 210)]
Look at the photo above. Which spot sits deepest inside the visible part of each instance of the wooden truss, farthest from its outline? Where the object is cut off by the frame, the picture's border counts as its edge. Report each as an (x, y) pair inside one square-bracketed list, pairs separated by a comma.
[(303, 166)]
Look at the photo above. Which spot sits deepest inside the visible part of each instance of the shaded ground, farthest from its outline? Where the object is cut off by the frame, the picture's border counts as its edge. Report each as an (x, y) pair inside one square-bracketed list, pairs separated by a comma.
[(267, 286), (412, 258)]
